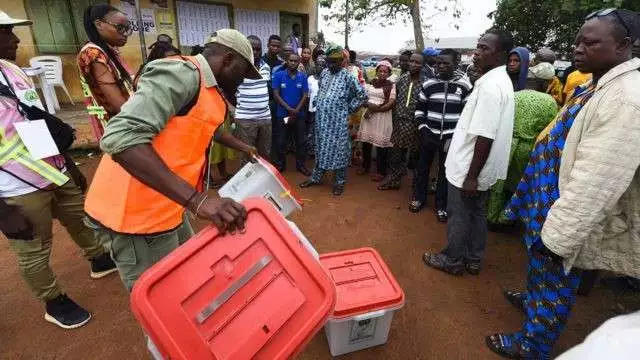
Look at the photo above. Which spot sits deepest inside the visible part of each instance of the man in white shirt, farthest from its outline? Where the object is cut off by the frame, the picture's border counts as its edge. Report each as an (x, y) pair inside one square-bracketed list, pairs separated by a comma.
[(478, 156), (253, 116)]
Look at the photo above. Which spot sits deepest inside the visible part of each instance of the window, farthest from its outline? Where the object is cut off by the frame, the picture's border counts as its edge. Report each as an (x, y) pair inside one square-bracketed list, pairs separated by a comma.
[(57, 24)]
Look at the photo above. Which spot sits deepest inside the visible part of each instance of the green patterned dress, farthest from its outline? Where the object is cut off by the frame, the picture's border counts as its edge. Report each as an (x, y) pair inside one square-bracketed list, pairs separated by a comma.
[(534, 111)]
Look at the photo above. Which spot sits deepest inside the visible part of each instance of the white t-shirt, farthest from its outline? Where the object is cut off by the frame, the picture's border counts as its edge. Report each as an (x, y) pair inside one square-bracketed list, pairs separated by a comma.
[(616, 339), (313, 91), (489, 113)]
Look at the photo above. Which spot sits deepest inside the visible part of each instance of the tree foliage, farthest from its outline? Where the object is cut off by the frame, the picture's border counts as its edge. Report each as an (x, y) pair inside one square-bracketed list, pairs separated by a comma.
[(552, 23), (387, 12)]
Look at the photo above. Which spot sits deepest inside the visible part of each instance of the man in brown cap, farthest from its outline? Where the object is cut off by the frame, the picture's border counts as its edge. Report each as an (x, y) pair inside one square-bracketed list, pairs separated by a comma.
[(156, 151)]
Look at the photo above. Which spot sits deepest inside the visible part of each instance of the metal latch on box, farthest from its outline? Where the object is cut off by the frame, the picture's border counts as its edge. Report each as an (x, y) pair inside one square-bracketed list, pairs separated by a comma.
[(208, 310)]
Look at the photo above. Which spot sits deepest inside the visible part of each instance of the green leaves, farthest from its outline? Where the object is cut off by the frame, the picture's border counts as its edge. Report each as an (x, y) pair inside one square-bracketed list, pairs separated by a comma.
[(552, 23), (388, 12)]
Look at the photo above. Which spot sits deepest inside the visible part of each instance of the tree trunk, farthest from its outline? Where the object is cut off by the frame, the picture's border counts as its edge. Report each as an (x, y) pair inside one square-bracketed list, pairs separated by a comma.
[(346, 24), (417, 25)]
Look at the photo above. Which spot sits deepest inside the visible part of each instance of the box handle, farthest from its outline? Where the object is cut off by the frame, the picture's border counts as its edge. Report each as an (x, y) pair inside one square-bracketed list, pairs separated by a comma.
[(371, 315), (208, 310)]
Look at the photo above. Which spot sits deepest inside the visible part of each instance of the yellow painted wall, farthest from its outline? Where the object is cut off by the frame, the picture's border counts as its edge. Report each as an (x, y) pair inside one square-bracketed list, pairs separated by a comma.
[(131, 51)]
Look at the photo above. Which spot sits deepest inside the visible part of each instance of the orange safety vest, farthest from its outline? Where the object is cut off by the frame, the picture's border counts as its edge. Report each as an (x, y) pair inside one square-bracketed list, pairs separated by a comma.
[(121, 203)]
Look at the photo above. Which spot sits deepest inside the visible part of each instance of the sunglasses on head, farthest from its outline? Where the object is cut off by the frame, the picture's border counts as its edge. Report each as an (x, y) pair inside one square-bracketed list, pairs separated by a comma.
[(607, 12), (125, 29)]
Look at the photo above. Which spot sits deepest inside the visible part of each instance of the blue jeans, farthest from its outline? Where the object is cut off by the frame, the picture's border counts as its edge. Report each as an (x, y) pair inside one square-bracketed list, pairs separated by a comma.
[(281, 132)]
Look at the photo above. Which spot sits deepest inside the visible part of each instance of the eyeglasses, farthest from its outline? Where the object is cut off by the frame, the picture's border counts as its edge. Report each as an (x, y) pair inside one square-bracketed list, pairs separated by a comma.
[(610, 11), (125, 29)]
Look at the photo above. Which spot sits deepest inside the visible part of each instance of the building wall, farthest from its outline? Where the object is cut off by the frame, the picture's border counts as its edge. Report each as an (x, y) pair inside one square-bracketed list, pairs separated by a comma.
[(132, 51)]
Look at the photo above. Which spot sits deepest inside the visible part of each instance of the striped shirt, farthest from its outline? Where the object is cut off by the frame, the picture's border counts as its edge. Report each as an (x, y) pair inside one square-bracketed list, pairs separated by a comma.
[(253, 96), (440, 104)]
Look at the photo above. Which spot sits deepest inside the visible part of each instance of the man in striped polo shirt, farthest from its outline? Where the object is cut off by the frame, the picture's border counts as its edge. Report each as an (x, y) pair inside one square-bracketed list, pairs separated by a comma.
[(253, 116), (439, 107)]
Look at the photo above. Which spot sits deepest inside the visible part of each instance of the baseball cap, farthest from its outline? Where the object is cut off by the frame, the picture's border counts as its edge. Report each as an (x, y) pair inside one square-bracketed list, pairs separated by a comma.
[(236, 41), (430, 52), (7, 20)]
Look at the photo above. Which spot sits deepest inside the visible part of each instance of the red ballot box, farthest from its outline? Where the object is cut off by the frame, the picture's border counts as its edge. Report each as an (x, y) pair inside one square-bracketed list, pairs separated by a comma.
[(255, 295)]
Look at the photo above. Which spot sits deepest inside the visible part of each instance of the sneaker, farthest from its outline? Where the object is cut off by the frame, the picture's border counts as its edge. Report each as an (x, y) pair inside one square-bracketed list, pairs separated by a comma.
[(416, 206), (65, 313), (442, 216), (102, 265), (441, 262)]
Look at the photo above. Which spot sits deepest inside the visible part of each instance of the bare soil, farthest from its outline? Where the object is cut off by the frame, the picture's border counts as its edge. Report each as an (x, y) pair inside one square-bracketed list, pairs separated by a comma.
[(444, 317)]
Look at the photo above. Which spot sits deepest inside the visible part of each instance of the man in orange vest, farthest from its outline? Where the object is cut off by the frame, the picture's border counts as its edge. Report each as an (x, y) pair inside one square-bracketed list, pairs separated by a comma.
[(155, 155)]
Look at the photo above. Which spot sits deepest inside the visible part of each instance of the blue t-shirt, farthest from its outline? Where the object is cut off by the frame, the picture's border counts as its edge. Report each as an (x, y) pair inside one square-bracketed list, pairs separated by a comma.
[(278, 68), (291, 90)]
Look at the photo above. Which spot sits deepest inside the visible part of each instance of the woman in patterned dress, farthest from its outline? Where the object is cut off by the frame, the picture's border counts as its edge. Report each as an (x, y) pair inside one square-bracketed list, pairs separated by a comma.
[(534, 111), (106, 80), (339, 95)]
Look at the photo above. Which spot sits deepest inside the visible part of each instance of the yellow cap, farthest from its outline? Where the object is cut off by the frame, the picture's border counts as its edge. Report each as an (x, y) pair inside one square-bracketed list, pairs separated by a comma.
[(236, 41)]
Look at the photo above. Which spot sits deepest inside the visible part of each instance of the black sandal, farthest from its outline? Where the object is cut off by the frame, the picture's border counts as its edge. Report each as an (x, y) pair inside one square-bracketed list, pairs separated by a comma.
[(338, 190), (507, 347), (517, 299)]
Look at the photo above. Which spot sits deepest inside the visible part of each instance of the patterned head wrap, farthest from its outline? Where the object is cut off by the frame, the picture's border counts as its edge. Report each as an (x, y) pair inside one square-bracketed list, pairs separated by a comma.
[(542, 71), (384, 63), (334, 51)]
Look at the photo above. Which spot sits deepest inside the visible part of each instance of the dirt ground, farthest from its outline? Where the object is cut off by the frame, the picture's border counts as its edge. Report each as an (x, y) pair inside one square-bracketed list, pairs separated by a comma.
[(444, 317)]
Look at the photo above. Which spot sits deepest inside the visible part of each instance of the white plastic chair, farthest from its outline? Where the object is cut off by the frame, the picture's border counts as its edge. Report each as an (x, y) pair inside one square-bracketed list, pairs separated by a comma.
[(52, 66)]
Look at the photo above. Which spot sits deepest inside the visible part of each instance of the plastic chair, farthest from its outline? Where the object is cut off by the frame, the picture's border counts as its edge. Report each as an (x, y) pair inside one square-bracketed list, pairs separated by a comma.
[(52, 66)]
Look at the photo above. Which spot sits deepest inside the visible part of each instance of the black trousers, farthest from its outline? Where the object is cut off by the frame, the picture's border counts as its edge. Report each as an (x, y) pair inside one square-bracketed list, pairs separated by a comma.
[(430, 147), (281, 132), (381, 158)]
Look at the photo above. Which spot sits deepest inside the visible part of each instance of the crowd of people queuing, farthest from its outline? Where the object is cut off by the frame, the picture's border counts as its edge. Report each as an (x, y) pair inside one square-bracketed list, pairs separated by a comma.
[(514, 143)]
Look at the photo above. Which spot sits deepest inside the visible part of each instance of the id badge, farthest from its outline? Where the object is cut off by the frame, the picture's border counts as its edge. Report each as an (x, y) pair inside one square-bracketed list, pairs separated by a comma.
[(29, 97)]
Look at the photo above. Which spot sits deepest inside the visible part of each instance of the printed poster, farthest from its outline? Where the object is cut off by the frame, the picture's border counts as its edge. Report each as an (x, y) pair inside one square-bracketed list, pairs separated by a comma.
[(148, 19)]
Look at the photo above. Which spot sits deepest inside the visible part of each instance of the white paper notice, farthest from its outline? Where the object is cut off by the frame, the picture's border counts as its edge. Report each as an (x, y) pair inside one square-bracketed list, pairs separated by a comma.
[(36, 137)]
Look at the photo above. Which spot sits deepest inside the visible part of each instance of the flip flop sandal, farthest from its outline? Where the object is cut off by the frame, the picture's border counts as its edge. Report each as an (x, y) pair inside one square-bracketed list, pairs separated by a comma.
[(377, 177), (507, 347), (517, 299), (436, 261)]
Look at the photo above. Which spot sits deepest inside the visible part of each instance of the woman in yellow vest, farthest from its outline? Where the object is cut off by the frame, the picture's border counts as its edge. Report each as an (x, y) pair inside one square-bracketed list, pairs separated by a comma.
[(156, 155), (33, 191)]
